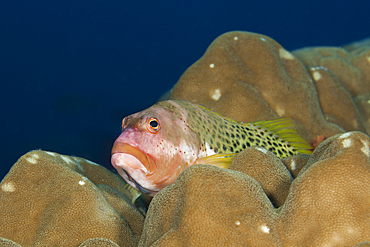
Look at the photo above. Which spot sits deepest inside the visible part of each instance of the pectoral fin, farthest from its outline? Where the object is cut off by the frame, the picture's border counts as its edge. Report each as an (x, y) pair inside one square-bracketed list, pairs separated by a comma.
[(134, 193), (220, 160)]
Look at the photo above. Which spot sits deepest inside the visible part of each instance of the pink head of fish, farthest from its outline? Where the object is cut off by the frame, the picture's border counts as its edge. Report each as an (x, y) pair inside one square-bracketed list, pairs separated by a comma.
[(156, 145)]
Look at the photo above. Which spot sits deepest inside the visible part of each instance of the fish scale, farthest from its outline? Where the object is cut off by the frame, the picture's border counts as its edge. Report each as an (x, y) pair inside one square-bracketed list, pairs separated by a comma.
[(224, 135)]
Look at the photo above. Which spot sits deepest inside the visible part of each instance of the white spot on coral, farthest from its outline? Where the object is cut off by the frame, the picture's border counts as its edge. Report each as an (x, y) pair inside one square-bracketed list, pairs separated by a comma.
[(265, 229), (237, 222), (8, 187), (285, 54), (365, 149), (263, 39), (81, 182), (350, 230), (50, 153), (280, 111), (261, 149), (293, 165), (346, 143), (91, 162), (216, 95), (212, 65), (345, 135), (236, 38), (368, 59), (33, 158), (66, 159), (316, 75)]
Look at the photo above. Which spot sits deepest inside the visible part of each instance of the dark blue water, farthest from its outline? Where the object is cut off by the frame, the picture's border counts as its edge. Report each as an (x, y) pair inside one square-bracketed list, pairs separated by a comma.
[(71, 70)]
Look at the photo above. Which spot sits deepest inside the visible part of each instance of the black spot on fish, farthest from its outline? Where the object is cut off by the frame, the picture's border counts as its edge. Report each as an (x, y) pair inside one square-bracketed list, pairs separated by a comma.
[(235, 145), (237, 142), (218, 145), (232, 135), (243, 136), (274, 143), (216, 150), (279, 151), (232, 149), (251, 139), (243, 146), (224, 148)]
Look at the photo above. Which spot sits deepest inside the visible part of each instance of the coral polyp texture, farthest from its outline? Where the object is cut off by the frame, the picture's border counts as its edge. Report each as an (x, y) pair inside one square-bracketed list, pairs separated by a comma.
[(250, 77), (323, 199)]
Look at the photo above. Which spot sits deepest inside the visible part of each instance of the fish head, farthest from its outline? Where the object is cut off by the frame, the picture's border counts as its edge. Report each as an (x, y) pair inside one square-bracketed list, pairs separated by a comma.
[(156, 145)]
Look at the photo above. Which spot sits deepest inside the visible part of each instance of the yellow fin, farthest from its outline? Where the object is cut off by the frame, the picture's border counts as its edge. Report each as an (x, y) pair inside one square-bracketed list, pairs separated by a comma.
[(134, 193), (220, 160), (283, 128)]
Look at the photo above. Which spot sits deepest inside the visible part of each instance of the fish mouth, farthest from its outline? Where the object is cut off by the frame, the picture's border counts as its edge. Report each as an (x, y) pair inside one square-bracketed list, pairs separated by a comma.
[(135, 184), (145, 159)]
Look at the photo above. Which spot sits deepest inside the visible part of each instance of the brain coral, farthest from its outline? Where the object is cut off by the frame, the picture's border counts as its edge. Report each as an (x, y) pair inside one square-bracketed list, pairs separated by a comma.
[(327, 204), (250, 77), (49, 199)]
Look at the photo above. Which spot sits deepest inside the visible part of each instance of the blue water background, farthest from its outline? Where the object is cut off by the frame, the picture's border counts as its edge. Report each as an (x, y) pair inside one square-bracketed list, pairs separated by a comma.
[(71, 70)]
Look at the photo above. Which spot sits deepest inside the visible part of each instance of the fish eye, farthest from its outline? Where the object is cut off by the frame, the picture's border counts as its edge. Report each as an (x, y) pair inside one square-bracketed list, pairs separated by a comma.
[(153, 125)]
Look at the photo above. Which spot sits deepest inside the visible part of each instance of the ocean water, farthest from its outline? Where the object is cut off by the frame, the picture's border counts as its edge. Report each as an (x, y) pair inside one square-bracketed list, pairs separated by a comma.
[(71, 70)]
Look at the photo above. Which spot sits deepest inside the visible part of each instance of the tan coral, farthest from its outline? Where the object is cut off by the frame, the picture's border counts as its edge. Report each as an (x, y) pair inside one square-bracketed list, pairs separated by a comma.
[(327, 204), (250, 77), (57, 200), (267, 169)]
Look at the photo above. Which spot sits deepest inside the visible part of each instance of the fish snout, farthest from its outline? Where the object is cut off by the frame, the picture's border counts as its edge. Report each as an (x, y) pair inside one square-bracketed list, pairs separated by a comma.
[(126, 156)]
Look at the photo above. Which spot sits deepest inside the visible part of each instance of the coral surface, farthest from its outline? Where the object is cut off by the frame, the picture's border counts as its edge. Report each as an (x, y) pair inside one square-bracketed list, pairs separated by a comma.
[(250, 77), (48, 199)]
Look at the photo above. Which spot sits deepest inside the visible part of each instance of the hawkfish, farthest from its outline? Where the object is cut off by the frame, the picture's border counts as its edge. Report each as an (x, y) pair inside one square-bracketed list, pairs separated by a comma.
[(157, 144)]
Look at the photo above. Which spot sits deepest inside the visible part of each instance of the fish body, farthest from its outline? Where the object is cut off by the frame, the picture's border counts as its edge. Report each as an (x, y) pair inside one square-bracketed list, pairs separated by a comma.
[(157, 144)]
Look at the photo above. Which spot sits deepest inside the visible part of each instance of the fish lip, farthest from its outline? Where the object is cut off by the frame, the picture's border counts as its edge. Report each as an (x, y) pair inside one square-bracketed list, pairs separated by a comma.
[(138, 186), (144, 158)]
